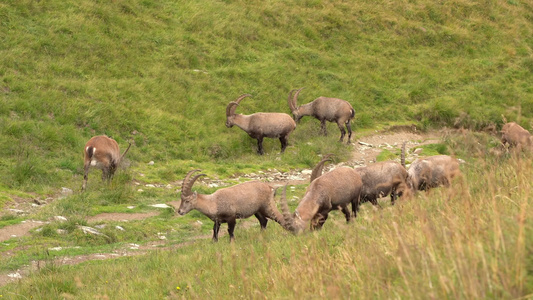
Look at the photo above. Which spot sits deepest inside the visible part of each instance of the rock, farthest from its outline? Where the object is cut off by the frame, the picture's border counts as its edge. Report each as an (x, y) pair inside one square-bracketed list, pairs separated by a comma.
[(365, 144), (90, 230), (150, 185), (120, 228), (162, 205), (307, 172), (61, 231), (65, 192), (151, 163), (60, 218), (417, 151)]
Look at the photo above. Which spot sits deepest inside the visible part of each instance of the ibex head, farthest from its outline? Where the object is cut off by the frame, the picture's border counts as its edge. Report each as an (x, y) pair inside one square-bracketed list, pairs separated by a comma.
[(293, 105), (188, 198), (230, 110)]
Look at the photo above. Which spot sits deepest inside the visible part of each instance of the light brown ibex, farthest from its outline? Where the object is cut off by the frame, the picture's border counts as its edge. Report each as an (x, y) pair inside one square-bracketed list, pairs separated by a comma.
[(261, 125), (103, 153), (324, 109), (226, 205), (333, 190), (430, 172), (381, 179), (516, 136)]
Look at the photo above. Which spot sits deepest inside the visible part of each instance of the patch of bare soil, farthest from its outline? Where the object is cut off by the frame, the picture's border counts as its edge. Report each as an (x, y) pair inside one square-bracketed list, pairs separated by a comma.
[(18, 230), (121, 217)]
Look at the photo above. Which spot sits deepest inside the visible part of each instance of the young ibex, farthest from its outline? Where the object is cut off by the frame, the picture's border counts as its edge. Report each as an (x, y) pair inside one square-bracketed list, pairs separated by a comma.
[(431, 172), (516, 136), (103, 153), (333, 190), (324, 109), (260, 125), (381, 179), (226, 205)]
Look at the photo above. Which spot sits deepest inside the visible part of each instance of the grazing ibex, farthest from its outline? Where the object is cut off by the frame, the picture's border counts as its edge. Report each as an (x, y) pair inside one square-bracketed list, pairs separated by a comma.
[(516, 136), (381, 179), (431, 172), (103, 153), (333, 190), (226, 205), (260, 125), (324, 109)]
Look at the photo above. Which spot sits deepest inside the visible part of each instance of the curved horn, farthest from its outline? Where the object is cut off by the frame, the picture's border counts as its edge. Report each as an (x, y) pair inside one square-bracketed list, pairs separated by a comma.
[(289, 220), (317, 170), (294, 102), (238, 100), (230, 109), (123, 154), (187, 183), (292, 106)]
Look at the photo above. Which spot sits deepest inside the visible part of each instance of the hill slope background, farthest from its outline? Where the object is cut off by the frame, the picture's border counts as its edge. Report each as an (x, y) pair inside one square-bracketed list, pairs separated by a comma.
[(162, 72)]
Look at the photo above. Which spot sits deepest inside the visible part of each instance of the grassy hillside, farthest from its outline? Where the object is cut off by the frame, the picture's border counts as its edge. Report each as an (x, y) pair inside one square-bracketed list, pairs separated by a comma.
[(469, 242), (162, 72)]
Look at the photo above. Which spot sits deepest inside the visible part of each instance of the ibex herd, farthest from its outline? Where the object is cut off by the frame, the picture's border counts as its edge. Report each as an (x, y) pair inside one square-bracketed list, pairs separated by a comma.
[(342, 188)]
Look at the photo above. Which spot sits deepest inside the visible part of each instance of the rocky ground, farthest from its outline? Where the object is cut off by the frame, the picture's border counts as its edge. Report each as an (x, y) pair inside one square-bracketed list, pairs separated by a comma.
[(365, 151)]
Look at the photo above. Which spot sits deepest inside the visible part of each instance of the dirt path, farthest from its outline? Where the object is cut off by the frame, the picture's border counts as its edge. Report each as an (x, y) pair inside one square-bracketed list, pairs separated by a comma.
[(365, 151)]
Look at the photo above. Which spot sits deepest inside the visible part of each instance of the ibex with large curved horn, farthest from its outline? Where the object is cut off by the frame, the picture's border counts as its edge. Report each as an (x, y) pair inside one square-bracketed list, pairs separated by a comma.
[(103, 153), (226, 205), (324, 109), (261, 125), (333, 190)]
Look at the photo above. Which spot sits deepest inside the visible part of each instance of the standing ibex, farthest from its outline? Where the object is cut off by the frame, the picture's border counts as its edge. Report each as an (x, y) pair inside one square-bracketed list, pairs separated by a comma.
[(516, 136), (381, 179), (103, 153), (324, 109), (335, 189), (226, 205), (260, 125)]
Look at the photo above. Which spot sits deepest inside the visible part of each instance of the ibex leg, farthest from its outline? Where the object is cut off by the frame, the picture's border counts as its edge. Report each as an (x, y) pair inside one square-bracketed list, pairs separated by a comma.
[(260, 146), (231, 228), (343, 132), (216, 228), (262, 220), (85, 176), (284, 143), (347, 213), (323, 127), (349, 127)]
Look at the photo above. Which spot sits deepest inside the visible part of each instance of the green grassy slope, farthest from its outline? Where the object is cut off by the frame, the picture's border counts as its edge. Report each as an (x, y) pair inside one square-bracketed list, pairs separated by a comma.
[(165, 71)]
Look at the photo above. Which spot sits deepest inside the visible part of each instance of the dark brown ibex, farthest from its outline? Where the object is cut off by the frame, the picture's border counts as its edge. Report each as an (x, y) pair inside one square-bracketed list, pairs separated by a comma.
[(516, 136), (324, 109), (381, 179), (333, 190), (226, 205), (261, 125), (103, 153)]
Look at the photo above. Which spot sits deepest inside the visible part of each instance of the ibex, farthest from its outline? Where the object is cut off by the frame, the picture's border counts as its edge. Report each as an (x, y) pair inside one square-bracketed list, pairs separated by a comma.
[(324, 109), (103, 153), (226, 205), (431, 172), (381, 179), (333, 190), (516, 136), (260, 125)]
